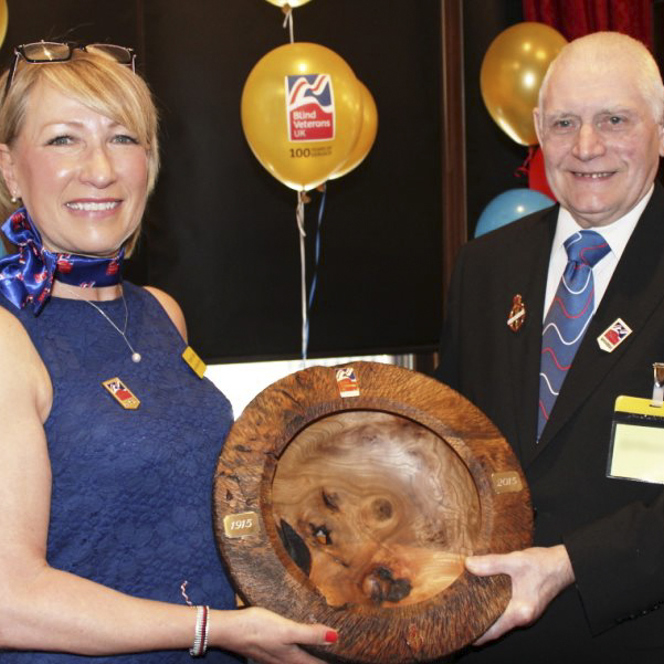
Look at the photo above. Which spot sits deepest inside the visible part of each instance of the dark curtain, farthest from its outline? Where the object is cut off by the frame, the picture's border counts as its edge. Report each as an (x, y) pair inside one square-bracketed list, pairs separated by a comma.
[(492, 158), (575, 18), (221, 235), (220, 232)]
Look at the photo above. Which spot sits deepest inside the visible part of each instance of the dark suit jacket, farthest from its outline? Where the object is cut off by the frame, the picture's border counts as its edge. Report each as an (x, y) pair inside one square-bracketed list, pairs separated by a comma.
[(613, 529)]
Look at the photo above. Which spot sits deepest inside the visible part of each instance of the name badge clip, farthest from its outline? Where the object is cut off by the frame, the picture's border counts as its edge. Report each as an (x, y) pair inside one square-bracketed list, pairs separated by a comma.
[(658, 387)]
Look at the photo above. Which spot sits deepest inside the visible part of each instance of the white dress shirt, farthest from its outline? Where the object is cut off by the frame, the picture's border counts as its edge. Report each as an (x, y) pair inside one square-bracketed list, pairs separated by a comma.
[(616, 234)]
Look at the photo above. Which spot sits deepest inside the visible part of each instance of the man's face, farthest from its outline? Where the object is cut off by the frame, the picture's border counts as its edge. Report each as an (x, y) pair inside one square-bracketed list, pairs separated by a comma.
[(600, 141)]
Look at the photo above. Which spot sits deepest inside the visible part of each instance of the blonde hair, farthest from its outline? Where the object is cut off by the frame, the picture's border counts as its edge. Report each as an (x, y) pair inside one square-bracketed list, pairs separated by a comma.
[(600, 49), (99, 83)]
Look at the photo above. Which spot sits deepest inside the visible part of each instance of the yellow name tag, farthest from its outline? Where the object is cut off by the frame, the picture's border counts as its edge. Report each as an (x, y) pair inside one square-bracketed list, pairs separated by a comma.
[(191, 358), (637, 441)]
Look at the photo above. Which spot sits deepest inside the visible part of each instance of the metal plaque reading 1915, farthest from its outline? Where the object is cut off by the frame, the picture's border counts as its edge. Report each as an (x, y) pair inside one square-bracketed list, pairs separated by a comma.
[(350, 496)]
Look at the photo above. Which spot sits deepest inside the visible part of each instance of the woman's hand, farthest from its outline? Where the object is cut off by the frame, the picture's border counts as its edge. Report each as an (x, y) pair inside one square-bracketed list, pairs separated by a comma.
[(267, 637)]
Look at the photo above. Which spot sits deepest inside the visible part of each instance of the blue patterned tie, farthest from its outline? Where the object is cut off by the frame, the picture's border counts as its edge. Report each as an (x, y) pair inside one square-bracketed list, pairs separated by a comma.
[(568, 317)]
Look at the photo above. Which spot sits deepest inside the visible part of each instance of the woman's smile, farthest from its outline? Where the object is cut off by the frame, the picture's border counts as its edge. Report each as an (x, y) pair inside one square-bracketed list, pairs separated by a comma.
[(82, 175)]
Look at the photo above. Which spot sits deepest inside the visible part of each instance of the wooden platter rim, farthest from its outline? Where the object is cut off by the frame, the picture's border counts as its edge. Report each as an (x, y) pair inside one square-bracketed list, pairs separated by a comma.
[(471, 440)]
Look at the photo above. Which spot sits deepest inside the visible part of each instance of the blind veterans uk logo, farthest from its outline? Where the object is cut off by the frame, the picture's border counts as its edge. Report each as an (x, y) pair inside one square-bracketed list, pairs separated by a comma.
[(310, 107), (614, 335)]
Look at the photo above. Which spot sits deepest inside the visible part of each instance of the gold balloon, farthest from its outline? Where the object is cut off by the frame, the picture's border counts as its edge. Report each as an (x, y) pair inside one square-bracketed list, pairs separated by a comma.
[(290, 3), (3, 20), (367, 135), (301, 113), (512, 72)]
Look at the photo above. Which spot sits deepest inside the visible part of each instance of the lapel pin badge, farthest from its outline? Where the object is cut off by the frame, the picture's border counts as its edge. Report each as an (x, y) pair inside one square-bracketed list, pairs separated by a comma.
[(121, 393), (614, 335), (517, 315)]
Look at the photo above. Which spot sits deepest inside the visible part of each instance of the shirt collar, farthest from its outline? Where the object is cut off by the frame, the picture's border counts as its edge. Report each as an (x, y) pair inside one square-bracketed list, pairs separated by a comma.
[(616, 234)]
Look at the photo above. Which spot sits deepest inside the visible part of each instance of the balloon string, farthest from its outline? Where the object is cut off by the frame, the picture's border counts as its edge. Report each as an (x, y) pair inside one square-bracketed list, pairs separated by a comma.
[(299, 217), (321, 209), (524, 169), (288, 21)]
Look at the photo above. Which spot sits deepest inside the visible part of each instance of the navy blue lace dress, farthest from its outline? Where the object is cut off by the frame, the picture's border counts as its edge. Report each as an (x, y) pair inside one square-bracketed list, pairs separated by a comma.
[(132, 489)]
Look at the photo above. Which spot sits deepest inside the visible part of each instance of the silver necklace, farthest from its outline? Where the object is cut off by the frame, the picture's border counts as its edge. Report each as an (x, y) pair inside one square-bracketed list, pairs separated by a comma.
[(135, 357)]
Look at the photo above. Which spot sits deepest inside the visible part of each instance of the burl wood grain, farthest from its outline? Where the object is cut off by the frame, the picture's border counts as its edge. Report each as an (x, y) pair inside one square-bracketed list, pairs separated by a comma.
[(362, 509), (385, 508)]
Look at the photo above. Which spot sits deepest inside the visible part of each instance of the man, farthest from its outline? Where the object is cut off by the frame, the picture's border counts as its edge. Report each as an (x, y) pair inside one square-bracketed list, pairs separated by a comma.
[(589, 589)]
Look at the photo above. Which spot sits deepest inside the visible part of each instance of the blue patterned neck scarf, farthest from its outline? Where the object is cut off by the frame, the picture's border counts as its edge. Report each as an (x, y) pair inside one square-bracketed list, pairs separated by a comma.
[(27, 277)]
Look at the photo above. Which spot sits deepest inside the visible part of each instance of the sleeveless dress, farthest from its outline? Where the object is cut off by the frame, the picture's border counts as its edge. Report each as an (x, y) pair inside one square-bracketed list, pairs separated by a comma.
[(132, 489)]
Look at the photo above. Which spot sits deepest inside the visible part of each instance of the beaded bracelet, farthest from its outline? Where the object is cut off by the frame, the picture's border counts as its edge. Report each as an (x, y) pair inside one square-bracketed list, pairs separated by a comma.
[(202, 631)]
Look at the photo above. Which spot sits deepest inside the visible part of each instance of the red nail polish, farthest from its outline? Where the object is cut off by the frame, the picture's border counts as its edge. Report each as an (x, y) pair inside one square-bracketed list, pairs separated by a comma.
[(331, 637)]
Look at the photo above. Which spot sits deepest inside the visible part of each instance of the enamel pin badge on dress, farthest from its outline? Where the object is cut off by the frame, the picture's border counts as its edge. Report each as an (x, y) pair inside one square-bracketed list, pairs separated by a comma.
[(614, 335), (517, 315), (121, 393)]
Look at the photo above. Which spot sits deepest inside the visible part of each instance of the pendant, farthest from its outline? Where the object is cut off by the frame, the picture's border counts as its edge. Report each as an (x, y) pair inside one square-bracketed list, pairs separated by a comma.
[(136, 357), (121, 393)]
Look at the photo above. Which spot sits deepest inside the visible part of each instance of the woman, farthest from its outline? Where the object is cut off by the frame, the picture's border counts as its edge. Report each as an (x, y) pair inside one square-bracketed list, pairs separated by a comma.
[(109, 438)]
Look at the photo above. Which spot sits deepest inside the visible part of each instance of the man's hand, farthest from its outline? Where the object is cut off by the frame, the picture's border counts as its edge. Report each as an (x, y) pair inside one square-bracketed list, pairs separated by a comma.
[(538, 575)]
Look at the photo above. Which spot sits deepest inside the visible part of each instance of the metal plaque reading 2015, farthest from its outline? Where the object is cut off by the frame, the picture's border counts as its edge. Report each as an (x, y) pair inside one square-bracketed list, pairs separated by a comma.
[(310, 107)]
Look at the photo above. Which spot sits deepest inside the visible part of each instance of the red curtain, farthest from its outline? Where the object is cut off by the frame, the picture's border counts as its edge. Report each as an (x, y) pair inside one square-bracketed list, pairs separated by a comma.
[(575, 18)]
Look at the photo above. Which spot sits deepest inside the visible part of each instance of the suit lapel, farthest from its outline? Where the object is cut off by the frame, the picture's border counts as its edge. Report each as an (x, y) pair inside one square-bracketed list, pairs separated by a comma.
[(531, 273), (635, 290)]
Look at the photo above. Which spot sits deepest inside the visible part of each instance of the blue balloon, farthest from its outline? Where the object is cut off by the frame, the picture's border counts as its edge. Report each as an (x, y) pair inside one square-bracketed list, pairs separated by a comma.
[(510, 206)]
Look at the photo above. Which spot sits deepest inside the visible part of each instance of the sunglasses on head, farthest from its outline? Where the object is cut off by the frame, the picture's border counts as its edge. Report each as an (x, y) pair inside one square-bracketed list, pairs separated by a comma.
[(43, 52)]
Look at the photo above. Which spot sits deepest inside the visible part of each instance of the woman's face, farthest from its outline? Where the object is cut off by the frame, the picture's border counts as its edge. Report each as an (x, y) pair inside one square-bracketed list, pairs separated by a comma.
[(82, 177)]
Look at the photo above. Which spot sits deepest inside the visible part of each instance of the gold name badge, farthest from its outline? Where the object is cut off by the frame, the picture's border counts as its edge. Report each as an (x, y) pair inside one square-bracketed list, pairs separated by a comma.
[(506, 482), (244, 524), (191, 358)]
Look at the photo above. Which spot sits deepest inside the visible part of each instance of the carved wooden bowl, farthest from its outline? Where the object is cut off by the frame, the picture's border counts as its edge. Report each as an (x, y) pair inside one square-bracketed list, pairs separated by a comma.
[(351, 495)]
